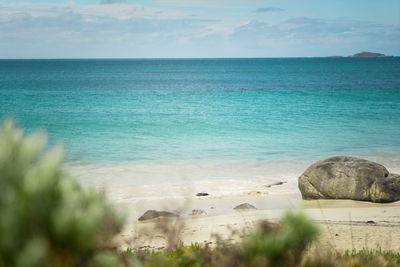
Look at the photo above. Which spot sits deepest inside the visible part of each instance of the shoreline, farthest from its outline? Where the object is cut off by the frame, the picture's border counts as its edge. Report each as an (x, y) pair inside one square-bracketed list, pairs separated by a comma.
[(127, 182)]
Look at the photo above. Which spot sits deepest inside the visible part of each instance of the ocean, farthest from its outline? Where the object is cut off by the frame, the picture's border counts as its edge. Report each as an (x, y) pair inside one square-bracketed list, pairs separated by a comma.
[(224, 126)]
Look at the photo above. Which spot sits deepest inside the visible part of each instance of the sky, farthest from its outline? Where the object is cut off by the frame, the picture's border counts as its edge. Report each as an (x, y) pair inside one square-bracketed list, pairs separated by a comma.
[(197, 28)]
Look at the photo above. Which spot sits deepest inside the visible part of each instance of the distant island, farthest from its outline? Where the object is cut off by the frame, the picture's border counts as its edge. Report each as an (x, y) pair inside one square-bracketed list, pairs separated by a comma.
[(368, 54), (363, 54)]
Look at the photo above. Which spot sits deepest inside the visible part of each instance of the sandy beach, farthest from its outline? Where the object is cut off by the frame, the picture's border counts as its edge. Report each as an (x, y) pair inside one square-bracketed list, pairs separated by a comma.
[(271, 187), (345, 224)]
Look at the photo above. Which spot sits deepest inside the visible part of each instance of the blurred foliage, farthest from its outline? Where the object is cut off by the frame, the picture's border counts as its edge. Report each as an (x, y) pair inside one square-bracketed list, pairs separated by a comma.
[(279, 245), (282, 244), (47, 219), (225, 257), (361, 258)]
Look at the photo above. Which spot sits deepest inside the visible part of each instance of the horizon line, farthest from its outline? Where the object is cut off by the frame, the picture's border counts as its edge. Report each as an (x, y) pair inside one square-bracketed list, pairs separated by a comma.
[(142, 58)]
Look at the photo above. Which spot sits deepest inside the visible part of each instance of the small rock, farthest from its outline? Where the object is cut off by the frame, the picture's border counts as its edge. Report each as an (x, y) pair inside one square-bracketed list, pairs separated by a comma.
[(245, 206), (254, 193), (277, 183), (198, 212), (202, 194), (152, 214), (371, 222)]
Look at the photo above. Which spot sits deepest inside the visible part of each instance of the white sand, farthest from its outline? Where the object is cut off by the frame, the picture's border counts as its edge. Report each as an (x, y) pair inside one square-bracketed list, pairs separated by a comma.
[(346, 224), (135, 188)]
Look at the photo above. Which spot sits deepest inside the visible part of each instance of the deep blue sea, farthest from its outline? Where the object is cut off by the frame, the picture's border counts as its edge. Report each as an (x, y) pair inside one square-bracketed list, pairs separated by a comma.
[(208, 110)]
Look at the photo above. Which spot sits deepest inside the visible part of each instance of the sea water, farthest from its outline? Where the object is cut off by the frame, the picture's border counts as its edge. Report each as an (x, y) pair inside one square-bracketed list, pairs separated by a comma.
[(217, 125)]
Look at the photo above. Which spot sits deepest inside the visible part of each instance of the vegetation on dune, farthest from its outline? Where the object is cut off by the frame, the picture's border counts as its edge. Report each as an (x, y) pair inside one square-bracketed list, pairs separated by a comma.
[(226, 256), (282, 244), (47, 219)]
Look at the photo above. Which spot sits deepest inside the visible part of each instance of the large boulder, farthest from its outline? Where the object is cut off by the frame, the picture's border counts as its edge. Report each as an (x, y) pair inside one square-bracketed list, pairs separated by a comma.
[(349, 178)]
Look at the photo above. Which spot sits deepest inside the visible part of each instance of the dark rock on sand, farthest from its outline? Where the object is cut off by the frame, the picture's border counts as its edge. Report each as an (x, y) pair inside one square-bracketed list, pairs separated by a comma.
[(152, 214), (245, 206), (277, 183), (253, 193), (349, 178), (197, 212), (202, 194)]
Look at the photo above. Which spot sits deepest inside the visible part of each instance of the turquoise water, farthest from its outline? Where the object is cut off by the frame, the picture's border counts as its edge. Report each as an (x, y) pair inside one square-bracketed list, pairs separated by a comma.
[(202, 109)]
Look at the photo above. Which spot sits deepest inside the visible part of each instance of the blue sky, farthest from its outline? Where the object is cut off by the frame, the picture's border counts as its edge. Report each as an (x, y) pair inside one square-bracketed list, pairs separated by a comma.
[(197, 28)]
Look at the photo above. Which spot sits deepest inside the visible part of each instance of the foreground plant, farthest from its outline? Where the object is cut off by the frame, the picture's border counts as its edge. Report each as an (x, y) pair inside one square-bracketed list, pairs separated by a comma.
[(362, 258), (47, 219), (281, 244)]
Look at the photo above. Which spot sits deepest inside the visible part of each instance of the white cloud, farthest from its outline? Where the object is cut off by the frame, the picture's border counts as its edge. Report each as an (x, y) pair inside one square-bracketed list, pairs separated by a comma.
[(269, 9), (71, 26), (312, 29), (118, 11), (132, 30), (112, 1)]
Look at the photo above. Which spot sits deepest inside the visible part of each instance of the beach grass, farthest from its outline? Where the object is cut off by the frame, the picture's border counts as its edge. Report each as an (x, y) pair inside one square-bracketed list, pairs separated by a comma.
[(197, 255)]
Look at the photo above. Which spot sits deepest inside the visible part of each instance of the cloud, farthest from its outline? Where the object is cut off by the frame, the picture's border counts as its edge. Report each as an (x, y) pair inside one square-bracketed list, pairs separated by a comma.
[(64, 28), (112, 1), (305, 21), (133, 30), (95, 11), (269, 9), (304, 33)]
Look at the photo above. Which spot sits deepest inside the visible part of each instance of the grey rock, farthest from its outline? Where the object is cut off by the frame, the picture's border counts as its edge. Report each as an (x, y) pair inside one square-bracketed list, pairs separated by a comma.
[(197, 212), (202, 194), (253, 193), (277, 183), (152, 214), (245, 206), (349, 178)]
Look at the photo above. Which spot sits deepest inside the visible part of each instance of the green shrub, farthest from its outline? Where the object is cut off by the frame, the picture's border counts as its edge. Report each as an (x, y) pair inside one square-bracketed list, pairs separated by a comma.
[(282, 244), (362, 258), (47, 219)]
